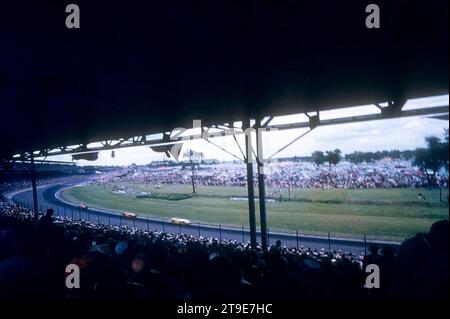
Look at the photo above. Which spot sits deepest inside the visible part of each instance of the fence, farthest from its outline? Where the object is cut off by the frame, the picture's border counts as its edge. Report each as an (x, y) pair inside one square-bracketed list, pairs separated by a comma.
[(293, 239)]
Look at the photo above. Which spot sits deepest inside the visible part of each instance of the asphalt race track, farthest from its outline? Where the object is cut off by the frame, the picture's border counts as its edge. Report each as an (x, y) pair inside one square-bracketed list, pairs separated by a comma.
[(47, 199)]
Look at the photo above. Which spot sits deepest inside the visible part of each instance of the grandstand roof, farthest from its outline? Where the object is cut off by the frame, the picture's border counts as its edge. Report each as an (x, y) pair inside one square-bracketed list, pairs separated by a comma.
[(155, 65)]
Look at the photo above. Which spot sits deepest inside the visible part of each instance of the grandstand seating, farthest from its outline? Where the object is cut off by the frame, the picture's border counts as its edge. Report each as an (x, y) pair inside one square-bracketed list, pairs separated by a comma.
[(121, 262)]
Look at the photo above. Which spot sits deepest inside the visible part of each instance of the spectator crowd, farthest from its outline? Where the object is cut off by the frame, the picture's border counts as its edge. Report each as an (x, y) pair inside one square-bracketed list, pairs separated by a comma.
[(386, 173), (127, 263), (12, 184)]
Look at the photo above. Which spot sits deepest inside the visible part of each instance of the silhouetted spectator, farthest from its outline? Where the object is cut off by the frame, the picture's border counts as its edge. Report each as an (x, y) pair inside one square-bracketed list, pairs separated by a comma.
[(373, 257), (422, 264), (276, 249), (46, 221)]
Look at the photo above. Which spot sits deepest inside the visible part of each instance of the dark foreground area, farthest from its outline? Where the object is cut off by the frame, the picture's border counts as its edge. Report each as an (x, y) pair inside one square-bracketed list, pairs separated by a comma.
[(120, 262)]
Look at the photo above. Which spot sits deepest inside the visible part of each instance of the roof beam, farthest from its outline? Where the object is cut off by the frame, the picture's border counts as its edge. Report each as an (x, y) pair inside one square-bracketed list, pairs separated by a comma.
[(141, 140)]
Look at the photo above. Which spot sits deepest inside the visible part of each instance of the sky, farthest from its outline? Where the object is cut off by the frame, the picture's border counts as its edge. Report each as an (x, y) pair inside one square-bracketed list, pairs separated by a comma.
[(400, 134)]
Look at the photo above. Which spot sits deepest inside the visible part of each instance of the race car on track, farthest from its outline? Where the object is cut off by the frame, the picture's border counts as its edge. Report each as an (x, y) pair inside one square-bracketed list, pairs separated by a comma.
[(82, 206), (179, 221), (129, 214)]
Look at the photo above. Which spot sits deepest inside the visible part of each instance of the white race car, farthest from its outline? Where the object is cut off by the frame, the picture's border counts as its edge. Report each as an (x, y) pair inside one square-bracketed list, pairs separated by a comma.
[(179, 221), (129, 214)]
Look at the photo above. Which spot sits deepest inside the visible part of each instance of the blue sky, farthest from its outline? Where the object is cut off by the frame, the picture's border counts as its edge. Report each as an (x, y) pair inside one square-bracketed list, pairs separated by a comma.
[(402, 134)]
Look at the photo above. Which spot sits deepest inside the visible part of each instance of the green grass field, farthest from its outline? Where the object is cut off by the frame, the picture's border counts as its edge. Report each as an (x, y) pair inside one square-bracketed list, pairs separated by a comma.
[(393, 214)]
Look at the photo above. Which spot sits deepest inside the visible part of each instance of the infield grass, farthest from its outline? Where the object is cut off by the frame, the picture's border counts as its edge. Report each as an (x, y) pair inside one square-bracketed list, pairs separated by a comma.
[(386, 214)]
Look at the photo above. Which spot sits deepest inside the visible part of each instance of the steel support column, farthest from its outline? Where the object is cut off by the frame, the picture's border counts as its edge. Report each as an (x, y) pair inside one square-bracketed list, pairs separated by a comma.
[(34, 187), (250, 187), (261, 185)]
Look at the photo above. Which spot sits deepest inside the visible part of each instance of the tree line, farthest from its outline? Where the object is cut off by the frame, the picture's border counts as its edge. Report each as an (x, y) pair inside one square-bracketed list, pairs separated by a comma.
[(429, 159)]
